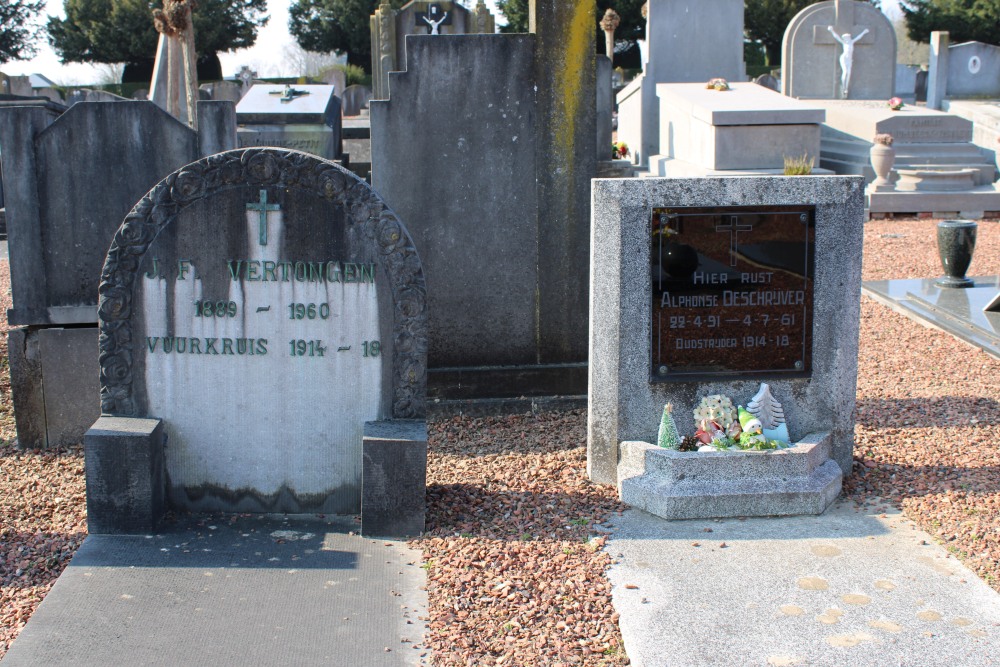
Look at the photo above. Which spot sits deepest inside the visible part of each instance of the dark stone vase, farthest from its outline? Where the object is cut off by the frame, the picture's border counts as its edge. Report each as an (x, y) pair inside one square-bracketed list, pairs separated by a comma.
[(956, 243)]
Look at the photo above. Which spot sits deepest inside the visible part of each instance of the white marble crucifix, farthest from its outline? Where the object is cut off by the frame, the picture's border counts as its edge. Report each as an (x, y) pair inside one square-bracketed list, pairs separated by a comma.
[(844, 35)]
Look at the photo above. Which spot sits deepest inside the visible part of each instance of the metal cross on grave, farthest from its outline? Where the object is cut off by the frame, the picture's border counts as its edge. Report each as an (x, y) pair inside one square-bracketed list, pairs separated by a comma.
[(288, 93), (263, 207), (734, 227)]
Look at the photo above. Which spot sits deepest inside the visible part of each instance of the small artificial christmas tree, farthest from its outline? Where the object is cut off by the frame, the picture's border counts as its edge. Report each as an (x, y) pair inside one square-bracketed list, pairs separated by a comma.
[(668, 437)]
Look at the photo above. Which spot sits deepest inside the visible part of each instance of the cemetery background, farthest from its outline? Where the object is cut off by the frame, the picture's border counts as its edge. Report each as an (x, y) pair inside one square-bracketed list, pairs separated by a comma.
[(485, 507), (513, 549)]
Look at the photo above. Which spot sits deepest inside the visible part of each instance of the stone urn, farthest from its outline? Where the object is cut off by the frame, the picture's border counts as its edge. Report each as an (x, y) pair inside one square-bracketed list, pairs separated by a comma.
[(883, 157), (956, 243)]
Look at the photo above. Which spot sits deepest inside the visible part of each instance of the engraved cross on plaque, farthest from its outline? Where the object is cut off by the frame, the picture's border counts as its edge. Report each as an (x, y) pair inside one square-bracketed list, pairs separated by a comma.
[(263, 207), (734, 227)]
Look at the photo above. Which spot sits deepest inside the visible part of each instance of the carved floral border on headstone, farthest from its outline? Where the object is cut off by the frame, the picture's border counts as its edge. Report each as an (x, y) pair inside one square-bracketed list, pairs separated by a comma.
[(293, 170)]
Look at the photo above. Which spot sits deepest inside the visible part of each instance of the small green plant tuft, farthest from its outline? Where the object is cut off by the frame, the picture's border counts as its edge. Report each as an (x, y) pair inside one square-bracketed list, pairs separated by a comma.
[(799, 166), (582, 521)]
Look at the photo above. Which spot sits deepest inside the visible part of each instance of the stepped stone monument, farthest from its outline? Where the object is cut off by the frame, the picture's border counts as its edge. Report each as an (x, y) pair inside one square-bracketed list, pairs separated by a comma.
[(839, 49), (389, 28), (494, 184), (754, 279), (263, 312), (937, 167)]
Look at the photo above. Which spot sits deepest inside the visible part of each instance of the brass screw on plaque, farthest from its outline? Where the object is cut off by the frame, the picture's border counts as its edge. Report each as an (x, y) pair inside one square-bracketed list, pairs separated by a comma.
[(798, 365), (662, 370)]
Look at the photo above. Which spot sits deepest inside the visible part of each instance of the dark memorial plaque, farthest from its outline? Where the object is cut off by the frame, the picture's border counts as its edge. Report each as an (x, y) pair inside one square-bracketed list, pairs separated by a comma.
[(732, 292)]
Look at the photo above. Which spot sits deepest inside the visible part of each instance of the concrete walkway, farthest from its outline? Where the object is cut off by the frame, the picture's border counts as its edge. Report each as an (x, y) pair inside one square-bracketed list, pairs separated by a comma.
[(848, 587), (235, 590)]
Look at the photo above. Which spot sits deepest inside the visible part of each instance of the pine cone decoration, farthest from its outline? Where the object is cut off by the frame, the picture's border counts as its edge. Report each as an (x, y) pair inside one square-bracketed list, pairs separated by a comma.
[(689, 443)]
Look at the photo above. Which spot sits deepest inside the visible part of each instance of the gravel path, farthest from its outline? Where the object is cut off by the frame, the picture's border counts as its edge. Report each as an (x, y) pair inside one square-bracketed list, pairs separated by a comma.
[(515, 568)]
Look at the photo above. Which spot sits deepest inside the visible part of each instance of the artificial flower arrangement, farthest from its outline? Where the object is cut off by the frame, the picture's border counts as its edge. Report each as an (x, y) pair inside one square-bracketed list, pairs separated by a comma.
[(619, 150), (717, 83), (721, 426), (895, 103), (884, 139)]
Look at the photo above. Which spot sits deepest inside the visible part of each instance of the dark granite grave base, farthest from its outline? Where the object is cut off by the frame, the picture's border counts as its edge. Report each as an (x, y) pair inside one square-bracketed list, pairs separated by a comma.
[(394, 478), (126, 479), (958, 311), (498, 382), (126, 482), (505, 390)]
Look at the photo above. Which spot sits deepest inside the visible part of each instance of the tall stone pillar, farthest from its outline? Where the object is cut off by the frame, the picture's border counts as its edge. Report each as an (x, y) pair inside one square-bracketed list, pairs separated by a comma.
[(565, 161), (937, 78)]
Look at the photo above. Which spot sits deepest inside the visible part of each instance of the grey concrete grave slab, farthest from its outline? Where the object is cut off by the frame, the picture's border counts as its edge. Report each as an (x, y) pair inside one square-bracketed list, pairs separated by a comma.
[(245, 590), (849, 587)]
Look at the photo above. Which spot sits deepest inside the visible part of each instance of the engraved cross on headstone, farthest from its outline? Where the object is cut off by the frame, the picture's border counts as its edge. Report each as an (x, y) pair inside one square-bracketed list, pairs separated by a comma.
[(263, 207), (734, 227)]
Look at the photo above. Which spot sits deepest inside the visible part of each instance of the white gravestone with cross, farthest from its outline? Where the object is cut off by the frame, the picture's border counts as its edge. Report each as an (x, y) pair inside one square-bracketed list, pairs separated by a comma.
[(264, 311), (279, 337), (839, 49)]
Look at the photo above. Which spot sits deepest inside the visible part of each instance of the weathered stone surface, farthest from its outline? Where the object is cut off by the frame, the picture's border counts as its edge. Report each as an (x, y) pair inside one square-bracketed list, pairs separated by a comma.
[(70, 179), (460, 169), (390, 28), (26, 392), (125, 475), (59, 231), (624, 404), (686, 485), (564, 75), (394, 477), (54, 384)]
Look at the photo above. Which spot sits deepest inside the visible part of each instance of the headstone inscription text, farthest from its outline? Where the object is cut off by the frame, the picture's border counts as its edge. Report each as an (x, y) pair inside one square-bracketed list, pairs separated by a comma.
[(262, 351), (732, 291)]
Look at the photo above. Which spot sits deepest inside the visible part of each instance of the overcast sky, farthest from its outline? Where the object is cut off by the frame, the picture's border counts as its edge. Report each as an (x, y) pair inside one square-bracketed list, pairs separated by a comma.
[(265, 57)]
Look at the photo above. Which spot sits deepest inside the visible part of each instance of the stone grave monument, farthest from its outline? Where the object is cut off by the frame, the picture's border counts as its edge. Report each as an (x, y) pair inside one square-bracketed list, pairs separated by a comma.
[(839, 49), (305, 118), (713, 286), (389, 28), (973, 70), (263, 349), (688, 41), (744, 130), (936, 168), (494, 186), (68, 181)]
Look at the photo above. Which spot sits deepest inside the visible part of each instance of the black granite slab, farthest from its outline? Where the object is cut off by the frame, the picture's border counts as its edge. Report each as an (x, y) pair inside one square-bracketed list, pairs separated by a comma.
[(955, 311)]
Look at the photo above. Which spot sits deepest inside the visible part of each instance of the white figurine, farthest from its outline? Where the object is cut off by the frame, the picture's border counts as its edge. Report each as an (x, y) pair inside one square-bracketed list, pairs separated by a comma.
[(847, 56), (434, 25)]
